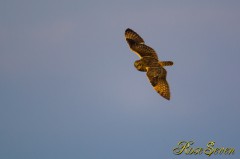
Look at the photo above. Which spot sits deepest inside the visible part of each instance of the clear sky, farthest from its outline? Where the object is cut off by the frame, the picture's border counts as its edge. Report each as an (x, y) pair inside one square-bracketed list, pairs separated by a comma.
[(69, 90)]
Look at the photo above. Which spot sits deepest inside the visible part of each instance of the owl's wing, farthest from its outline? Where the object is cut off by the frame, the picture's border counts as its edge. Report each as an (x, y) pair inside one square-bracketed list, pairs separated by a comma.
[(157, 77), (143, 50), (136, 43), (133, 36)]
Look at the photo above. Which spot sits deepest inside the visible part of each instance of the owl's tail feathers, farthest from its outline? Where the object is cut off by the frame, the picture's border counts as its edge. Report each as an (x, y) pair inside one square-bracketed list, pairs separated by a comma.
[(166, 63)]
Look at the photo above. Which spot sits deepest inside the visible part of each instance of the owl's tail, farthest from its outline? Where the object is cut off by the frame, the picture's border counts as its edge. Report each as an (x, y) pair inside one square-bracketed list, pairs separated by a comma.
[(166, 63)]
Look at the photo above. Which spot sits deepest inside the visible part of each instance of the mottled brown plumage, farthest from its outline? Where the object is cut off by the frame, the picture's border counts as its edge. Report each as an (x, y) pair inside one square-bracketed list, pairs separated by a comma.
[(149, 63)]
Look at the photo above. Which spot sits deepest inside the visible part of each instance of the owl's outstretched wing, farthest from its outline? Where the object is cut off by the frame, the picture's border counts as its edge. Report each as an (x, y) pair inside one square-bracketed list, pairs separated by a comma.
[(131, 35), (157, 77), (143, 50), (136, 43)]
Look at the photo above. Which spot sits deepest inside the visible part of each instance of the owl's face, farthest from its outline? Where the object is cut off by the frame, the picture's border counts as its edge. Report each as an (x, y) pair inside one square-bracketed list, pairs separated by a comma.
[(140, 65)]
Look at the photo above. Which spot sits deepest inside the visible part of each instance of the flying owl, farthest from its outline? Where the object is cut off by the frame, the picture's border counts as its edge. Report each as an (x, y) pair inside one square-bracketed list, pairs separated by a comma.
[(149, 63)]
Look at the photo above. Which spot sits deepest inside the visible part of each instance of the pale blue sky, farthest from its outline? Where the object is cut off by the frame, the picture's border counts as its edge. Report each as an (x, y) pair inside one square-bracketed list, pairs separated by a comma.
[(69, 90)]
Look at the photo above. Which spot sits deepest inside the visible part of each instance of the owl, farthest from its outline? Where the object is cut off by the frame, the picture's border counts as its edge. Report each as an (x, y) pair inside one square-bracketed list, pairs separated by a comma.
[(149, 63)]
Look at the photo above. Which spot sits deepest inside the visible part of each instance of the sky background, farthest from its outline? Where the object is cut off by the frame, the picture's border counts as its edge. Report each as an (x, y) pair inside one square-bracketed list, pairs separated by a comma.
[(69, 90)]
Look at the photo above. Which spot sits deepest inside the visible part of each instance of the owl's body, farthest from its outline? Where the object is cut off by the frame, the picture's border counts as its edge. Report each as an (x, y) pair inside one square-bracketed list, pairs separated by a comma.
[(149, 63)]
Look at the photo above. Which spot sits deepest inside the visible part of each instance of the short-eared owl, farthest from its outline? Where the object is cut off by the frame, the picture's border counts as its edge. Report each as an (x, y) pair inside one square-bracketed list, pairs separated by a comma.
[(149, 63)]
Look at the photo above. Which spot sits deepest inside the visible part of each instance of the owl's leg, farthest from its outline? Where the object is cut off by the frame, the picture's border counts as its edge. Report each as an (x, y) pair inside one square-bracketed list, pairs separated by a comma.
[(166, 63)]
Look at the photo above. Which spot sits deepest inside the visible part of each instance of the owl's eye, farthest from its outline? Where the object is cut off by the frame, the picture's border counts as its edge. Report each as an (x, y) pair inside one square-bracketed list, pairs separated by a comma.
[(140, 65)]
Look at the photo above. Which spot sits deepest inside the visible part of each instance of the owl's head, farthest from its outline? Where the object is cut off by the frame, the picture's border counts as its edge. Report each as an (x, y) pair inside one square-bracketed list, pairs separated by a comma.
[(140, 65)]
